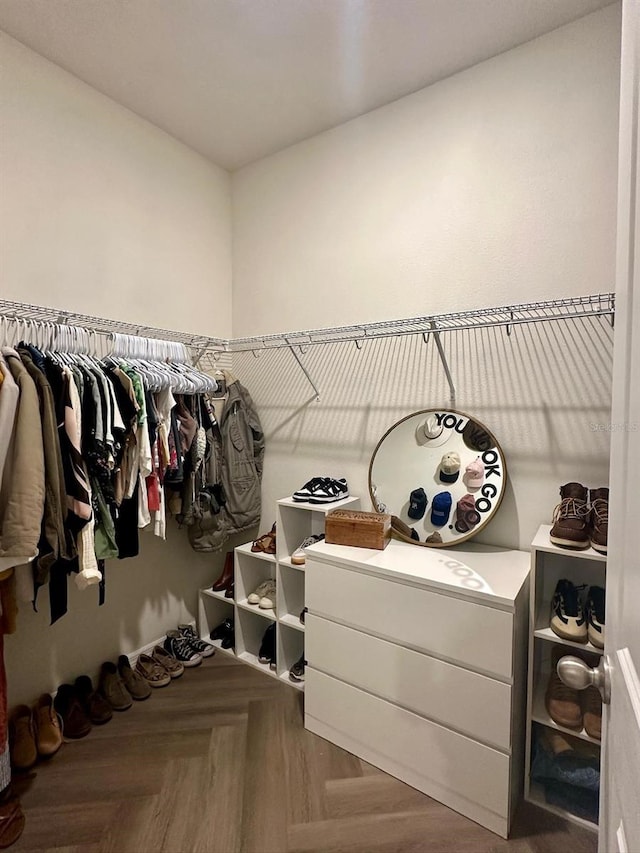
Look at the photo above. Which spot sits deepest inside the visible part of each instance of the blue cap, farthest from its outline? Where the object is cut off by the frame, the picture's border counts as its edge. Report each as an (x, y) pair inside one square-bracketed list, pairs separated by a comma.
[(441, 509)]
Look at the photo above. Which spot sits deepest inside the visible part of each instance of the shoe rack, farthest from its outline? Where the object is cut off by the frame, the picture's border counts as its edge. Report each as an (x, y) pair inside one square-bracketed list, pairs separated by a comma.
[(549, 564), (294, 522)]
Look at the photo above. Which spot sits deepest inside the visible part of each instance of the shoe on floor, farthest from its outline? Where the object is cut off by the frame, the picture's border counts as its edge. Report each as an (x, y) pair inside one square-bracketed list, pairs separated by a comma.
[(595, 609), (113, 688), (133, 680), (563, 703), (417, 504), (47, 726), (151, 672), (599, 519), (267, 653), (22, 738), (164, 659), (592, 711), (571, 518), (298, 558), (567, 615), (180, 649), (200, 646), (75, 722), (95, 706), (296, 673), (260, 591), (322, 490)]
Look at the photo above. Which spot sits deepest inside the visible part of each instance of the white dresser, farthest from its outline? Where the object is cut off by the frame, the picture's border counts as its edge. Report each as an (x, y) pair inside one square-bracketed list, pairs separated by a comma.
[(417, 664)]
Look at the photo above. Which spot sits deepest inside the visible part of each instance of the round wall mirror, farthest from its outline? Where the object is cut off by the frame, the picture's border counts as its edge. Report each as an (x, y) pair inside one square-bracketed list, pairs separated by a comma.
[(442, 473)]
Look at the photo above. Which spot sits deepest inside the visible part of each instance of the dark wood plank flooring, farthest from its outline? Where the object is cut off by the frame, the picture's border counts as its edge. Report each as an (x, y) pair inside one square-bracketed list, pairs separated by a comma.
[(220, 762)]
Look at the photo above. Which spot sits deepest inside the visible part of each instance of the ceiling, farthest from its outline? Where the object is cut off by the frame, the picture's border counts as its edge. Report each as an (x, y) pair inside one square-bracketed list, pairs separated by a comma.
[(239, 79)]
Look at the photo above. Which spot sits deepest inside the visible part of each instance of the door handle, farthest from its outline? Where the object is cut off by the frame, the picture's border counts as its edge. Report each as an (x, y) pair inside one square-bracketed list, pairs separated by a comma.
[(575, 673)]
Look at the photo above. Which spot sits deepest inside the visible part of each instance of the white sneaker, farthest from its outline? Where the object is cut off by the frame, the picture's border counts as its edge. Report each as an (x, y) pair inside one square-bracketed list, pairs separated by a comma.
[(298, 557), (259, 592), (268, 600)]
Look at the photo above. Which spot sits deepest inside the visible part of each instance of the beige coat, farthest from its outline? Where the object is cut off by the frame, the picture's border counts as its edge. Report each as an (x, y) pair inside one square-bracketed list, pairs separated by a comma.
[(22, 490)]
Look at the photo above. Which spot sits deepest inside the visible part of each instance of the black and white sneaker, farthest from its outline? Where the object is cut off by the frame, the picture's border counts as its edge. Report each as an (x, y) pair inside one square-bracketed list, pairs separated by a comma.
[(595, 616), (567, 615), (322, 490), (200, 646), (296, 673), (180, 648)]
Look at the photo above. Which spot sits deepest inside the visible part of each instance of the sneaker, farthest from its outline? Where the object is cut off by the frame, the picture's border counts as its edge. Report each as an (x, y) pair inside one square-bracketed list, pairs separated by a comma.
[(417, 504), (592, 712), (296, 673), (571, 518), (181, 650), (260, 591), (268, 600), (594, 607), (113, 688), (173, 666), (151, 672), (441, 509), (599, 519), (133, 680), (267, 653), (563, 703), (567, 616), (298, 557), (200, 646), (467, 516), (322, 490)]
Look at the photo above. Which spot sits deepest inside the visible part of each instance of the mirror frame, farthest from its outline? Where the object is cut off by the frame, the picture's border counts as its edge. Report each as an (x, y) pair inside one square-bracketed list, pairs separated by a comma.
[(477, 529)]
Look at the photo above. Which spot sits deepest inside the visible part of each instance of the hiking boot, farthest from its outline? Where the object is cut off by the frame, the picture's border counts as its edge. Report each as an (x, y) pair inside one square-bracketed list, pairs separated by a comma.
[(95, 706), (136, 684), (75, 723), (595, 616), (296, 673), (267, 653), (173, 666), (152, 672), (22, 738), (571, 518), (567, 616), (599, 519), (113, 688), (47, 726), (200, 646), (592, 711), (180, 649), (563, 703)]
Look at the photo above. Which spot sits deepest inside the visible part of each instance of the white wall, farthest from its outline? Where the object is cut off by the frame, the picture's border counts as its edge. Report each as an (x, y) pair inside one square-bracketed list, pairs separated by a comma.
[(102, 213), (495, 186)]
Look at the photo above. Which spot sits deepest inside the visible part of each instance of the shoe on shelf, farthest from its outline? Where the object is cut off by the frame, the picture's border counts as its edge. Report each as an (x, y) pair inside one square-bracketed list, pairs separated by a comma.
[(562, 702), (267, 653), (200, 646), (47, 726), (22, 738), (151, 672), (592, 712), (266, 544), (322, 490), (567, 615), (75, 722), (164, 659), (417, 504), (599, 519), (571, 518), (268, 600), (260, 591), (181, 650), (226, 578), (303, 614), (296, 673), (228, 593), (225, 633), (95, 706), (133, 680), (298, 558), (595, 608), (113, 688)]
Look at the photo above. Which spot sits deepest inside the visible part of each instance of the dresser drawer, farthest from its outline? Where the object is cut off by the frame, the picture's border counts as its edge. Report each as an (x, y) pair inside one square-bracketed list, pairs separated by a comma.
[(469, 777), (474, 635), (457, 698)]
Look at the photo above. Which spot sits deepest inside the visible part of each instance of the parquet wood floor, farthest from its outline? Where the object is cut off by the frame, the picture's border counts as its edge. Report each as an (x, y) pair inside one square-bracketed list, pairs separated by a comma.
[(219, 762)]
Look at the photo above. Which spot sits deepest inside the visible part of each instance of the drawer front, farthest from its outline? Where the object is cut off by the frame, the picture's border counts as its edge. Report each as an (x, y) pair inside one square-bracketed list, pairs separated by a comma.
[(453, 768), (457, 698), (474, 635)]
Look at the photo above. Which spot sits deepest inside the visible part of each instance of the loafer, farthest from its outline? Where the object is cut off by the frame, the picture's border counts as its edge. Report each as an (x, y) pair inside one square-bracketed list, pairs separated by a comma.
[(75, 722), (22, 738), (135, 683), (173, 666), (113, 689), (95, 706), (154, 674), (47, 726)]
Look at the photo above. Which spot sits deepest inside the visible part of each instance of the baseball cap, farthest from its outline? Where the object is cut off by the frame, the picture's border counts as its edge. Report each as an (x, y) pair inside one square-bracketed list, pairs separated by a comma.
[(467, 516), (449, 468), (441, 508), (474, 474)]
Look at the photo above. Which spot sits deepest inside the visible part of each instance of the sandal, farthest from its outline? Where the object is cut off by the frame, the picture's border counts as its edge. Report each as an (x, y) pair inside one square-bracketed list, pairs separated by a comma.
[(266, 543)]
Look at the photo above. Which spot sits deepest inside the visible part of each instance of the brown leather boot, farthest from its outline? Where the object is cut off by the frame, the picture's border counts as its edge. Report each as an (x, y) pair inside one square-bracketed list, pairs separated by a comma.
[(47, 725), (22, 738), (226, 578), (599, 519), (571, 518)]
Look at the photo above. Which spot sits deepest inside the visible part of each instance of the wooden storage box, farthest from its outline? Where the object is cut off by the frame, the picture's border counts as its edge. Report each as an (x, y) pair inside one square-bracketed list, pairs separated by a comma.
[(359, 529)]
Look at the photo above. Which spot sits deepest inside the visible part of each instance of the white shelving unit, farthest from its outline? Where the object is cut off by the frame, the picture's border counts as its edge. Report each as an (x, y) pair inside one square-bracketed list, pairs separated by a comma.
[(549, 564), (295, 521)]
